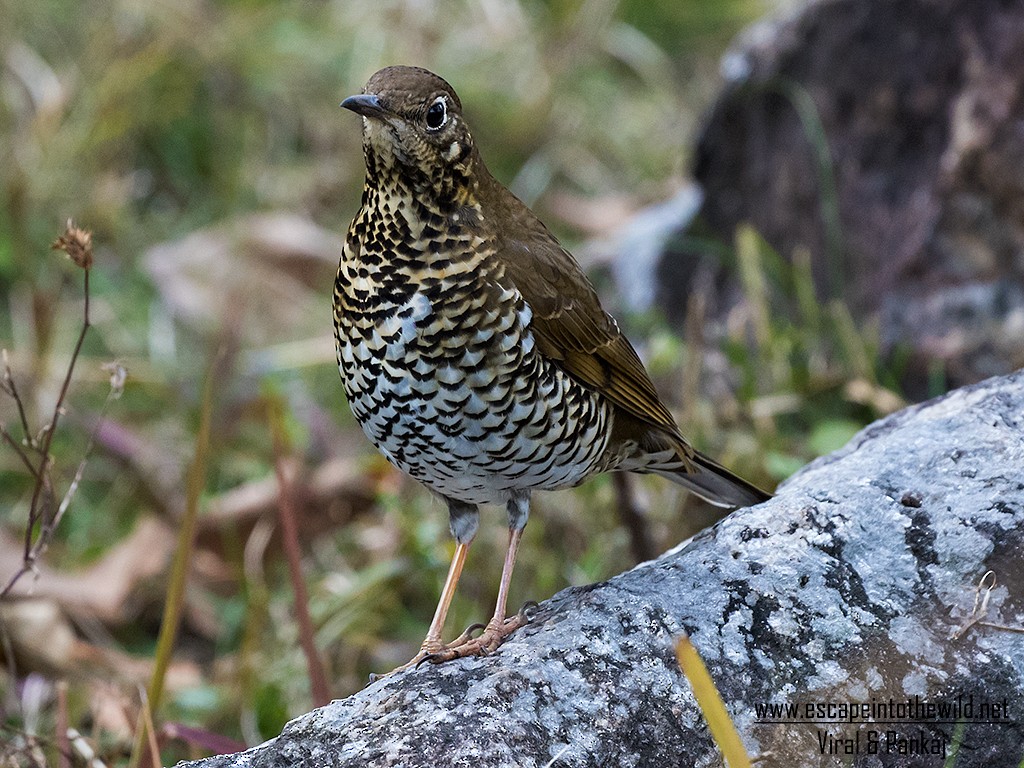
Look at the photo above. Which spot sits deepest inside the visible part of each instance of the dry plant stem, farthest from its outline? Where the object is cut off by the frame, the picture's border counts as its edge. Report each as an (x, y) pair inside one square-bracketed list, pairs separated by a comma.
[(51, 525), (1003, 627), (982, 594), (63, 743), (42, 488), (154, 748), (289, 532), (12, 390), (49, 429), (18, 450), (113, 394)]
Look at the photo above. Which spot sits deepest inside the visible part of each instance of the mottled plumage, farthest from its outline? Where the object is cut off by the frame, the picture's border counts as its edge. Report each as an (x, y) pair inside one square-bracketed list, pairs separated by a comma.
[(474, 351)]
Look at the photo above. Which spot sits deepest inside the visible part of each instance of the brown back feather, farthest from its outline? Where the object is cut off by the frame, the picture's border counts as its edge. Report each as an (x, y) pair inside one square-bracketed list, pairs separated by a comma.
[(569, 324)]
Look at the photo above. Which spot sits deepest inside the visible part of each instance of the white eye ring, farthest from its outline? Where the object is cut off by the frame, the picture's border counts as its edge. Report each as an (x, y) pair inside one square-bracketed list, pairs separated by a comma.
[(437, 114)]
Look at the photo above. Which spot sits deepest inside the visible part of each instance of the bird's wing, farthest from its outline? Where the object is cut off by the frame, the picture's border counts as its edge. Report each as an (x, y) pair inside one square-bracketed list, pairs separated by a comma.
[(573, 330)]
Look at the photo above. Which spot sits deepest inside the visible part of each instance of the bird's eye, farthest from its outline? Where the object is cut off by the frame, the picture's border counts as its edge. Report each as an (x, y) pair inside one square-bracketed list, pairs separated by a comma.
[(437, 114)]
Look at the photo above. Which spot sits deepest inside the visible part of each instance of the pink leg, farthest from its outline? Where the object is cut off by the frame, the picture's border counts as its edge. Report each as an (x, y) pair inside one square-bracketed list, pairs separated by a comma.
[(499, 627), (432, 642)]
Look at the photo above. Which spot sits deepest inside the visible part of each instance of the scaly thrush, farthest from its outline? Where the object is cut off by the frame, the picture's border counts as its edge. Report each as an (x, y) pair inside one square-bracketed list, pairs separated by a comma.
[(474, 351)]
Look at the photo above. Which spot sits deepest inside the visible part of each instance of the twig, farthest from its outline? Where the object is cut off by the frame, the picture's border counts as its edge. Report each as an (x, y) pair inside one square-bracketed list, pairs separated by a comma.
[(49, 526), (63, 744), (1004, 627), (10, 388), (51, 428), (37, 511), (982, 595), (289, 533), (77, 244), (980, 604), (118, 376), (18, 450)]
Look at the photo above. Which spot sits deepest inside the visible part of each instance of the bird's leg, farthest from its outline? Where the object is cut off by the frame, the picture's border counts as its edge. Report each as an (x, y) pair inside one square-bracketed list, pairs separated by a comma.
[(463, 520), (432, 642), (499, 627)]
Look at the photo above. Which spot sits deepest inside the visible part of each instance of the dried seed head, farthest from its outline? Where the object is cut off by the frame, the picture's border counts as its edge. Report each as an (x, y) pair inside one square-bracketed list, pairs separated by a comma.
[(77, 244)]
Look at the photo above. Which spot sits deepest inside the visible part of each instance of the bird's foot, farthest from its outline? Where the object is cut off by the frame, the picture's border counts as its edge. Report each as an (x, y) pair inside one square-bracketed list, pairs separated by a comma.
[(427, 650), (485, 643), (493, 635), (434, 651)]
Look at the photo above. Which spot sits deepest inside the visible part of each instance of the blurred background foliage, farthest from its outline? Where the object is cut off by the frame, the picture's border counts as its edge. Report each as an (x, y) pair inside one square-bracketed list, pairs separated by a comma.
[(202, 144)]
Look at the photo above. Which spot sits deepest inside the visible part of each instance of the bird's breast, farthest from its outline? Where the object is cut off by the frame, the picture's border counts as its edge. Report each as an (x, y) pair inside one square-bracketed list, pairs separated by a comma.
[(442, 371)]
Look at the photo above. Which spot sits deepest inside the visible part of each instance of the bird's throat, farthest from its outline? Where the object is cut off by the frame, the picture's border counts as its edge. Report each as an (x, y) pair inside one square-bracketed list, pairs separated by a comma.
[(430, 185)]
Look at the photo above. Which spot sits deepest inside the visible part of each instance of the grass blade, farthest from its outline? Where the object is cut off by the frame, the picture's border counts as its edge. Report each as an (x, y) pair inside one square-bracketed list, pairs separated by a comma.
[(710, 701)]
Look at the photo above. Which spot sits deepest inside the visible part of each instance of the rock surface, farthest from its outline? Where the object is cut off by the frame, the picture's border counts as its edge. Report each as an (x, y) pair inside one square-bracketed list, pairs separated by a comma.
[(885, 139), (847, 587)]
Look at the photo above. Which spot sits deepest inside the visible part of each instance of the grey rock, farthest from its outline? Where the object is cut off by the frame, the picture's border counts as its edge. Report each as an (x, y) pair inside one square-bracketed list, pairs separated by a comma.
[(847, 587)]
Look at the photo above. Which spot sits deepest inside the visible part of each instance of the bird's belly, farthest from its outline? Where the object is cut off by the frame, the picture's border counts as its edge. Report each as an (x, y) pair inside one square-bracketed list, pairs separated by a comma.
[(476, 413)]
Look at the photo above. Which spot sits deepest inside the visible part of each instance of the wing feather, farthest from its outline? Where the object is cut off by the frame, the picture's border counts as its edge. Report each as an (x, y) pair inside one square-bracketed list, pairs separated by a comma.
[(573, 330)]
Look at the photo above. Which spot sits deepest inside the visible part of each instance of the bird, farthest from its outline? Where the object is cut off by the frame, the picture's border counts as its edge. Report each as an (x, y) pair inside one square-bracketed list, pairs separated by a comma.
[(473, 350)]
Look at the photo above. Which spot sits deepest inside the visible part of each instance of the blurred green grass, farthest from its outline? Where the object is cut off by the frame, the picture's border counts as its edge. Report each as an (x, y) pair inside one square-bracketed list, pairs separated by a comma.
[(147, 122)]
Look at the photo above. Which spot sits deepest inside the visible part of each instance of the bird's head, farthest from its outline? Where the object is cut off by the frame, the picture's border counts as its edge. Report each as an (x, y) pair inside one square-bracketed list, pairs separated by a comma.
[(413, 126)]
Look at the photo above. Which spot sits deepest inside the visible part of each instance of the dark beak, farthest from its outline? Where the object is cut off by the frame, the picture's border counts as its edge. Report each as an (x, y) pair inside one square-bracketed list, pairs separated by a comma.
[(365, 104)]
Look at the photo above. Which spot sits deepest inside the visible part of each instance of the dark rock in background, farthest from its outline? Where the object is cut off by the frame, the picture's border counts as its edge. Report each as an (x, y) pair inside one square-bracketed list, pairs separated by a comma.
[(854, 585), (888, 139)]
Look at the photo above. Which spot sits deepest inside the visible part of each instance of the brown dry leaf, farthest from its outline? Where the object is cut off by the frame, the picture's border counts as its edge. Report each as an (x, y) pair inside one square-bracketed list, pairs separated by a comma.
[(102, 590), (107, 591), (272, 270), (39, 635), (326, 497)]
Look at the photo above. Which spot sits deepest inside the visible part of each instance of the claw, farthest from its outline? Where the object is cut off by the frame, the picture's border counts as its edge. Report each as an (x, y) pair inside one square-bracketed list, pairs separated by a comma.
[(431, 657), (467, 634), (526, 612)]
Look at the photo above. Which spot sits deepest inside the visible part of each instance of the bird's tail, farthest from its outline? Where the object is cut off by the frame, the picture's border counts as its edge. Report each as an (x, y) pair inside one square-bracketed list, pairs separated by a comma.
[(676, 461), (712, 482)]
